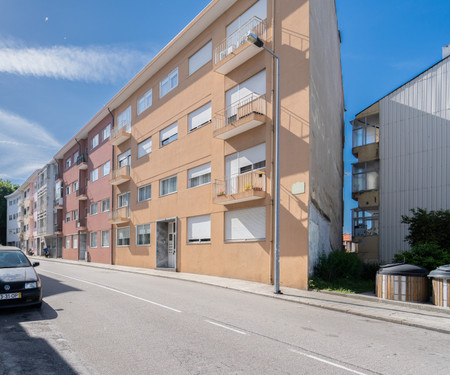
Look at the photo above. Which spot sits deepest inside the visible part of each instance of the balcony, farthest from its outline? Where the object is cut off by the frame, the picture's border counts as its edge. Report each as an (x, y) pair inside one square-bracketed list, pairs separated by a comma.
[(82, 161), (81, 193), (57, 229), (120, 135), (234, 50), (119, 215), (239, 117), (81, 224), (42, 230), (120, 175), (365, 177), (244, 187), (59, 203)]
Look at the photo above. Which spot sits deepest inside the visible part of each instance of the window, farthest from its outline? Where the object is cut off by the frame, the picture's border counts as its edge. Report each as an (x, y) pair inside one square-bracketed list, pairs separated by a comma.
[(123, 236), (124, 120), (75, 215), (144, 193), (94, 175), (106, 132), (246, 225), (144, 102), (75, 157), (259, 9), (58, 190), (245, 161), (67, 190), (67, 217), (105, 205), (145, 147), (200, 58), (200, 117), (94, 141), (168, 186), (75, 186), (68, 163), (365, 222), (105, 238), (365, 176), (168, 83), (93, 239), (124, 159), (366, 130), (75, 241), (168, 134), (199, 229), (67, 244), (94, 209), (199, 175), (123, 200), (106, 168), (143, 234)]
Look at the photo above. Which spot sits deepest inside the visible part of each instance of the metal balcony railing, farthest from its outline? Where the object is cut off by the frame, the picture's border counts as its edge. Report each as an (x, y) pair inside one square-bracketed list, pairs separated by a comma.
[(255, 26), (255, 180), (126, 127), (120, 172), (252, 103), (82, 158), (57, 227), (119, 213), (81, 191)]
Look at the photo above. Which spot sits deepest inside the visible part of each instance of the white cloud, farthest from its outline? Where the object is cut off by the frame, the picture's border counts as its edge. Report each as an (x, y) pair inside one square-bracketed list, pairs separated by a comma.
[(90, 64), (24, 147)]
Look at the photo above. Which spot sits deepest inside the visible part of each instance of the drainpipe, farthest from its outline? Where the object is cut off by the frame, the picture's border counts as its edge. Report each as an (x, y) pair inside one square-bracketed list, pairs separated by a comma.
[(112, 192)]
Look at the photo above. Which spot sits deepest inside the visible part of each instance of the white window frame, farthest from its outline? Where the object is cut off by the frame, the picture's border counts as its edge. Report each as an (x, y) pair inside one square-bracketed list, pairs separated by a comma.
[(239, 229), (137, 234), (148, 186), (199, 229), (67, 190), (124, 120), (95, 141), (171, 80), (96, 239), (102, 242), (124, 159), (199, 173), (68, 162), (169, 192), (94, 175), (144, 147), (95, 204), (75, 156), (67, 242), (120, 229), (75, 241), (200, 58), (120, 200), (75, 215), (200, 117), (106, 168), (102, 204), (68, 216), (168, 134), (106, 132), (145, 101), (75, 186)]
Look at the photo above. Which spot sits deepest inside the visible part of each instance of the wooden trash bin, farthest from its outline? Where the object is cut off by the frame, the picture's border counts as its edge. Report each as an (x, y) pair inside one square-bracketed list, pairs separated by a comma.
[(402, 282), (441, 285)]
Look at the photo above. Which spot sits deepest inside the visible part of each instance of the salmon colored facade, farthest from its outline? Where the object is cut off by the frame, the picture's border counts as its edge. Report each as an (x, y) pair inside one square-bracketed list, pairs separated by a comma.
[(191, 149)]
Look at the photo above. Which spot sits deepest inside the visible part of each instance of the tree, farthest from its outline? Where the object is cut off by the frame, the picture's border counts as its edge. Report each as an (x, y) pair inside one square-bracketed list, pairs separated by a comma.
[(6, 188)]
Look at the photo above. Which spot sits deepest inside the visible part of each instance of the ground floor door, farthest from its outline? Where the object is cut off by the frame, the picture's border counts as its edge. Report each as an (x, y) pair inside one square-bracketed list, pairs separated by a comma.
[(166, 243), (82, 254)]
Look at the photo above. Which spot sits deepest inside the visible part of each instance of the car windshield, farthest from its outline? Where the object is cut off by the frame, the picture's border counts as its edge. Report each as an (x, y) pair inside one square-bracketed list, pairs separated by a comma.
[(12, 259)]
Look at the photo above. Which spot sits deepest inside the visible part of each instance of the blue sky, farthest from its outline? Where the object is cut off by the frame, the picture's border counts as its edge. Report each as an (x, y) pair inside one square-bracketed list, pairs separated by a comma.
[(61, 61)]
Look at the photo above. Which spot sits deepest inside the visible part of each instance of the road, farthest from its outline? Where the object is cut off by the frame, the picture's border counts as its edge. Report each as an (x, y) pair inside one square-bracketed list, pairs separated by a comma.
[(96, 321)]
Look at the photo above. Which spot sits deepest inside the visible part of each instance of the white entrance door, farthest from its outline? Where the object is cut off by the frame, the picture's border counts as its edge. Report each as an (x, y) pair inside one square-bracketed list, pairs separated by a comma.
[(171, 245)]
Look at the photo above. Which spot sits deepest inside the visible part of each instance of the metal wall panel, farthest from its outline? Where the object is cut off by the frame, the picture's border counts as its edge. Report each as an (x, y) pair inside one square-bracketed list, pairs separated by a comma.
[(414, 153)]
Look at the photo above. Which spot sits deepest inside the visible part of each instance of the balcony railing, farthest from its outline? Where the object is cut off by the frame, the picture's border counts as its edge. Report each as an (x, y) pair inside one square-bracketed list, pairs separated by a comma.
[(81, 223), (42, 229), (255, 26), (82, 161), (81, 193), (120, 175), (57, 228), (240, 188), (120, 134), (119, 215), (240, 116)]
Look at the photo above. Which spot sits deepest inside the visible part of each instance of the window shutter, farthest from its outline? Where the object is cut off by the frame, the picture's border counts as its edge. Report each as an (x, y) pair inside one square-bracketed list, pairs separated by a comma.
[(200, 116), (245, 225), (145, 147), (200, 58), (199, 227), (169, 131), (252, 155), (199, 171)]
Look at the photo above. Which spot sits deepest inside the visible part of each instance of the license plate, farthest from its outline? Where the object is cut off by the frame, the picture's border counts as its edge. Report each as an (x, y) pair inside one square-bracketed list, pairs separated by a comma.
[(10, 296)]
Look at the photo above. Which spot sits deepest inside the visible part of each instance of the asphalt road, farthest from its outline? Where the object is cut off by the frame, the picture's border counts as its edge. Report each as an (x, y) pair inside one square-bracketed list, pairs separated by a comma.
[(96, 321)]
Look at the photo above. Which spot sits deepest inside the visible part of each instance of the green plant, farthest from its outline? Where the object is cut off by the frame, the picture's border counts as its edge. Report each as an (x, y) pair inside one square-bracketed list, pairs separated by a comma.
[(338, 264), (428, 255)]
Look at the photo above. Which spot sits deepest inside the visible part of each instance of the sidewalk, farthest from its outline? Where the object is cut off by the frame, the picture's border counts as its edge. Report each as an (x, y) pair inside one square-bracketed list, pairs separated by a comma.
[(425, 316)]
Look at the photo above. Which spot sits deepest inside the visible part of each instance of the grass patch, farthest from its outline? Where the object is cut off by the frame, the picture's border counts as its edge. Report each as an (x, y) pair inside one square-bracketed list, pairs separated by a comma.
[(342, 285)]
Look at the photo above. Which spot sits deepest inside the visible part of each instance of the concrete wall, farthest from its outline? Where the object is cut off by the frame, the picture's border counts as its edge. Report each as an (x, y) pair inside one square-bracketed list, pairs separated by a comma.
[(414, 153), (326, 130)]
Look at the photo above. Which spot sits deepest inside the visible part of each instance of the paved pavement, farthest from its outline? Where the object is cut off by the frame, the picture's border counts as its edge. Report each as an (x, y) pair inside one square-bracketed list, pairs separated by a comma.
[(420, 315)]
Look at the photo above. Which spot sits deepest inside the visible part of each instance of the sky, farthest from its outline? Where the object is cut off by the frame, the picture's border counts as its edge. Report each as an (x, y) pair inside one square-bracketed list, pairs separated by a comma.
[(61, 61)]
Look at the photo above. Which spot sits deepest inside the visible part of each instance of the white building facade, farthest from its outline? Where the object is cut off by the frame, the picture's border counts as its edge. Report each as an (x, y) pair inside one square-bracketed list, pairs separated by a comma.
[(12, 219)]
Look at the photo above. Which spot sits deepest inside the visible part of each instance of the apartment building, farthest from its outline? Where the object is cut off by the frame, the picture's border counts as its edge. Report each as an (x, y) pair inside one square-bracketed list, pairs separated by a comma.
[(192, 166), (12, 216), (83, 193), (401, 143)]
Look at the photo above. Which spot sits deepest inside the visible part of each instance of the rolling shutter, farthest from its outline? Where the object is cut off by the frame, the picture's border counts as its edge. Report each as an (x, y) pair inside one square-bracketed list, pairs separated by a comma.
[(246, 225)]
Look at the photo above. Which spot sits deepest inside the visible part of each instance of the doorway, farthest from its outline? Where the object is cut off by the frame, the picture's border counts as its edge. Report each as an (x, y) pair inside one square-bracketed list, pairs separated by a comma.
[(83, 243), (166, 243)]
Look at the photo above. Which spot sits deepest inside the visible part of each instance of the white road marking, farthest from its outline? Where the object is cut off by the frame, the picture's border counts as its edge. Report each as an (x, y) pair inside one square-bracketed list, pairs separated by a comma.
[(327, 362), (114, 290), (231, 329)]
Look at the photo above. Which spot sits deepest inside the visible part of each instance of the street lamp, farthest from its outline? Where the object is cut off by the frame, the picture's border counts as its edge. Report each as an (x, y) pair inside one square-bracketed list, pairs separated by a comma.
[(253, 39)]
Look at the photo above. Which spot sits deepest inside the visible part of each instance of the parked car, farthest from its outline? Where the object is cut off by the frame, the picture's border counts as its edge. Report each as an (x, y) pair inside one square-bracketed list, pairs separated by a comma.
[(20, 285)]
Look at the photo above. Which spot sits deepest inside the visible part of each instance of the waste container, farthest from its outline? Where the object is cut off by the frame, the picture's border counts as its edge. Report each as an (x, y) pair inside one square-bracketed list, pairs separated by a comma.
[(402, 282), (441, 287)]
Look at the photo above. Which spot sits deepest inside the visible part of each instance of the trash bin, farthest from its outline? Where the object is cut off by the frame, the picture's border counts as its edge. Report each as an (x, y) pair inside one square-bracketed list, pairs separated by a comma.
[(402, 282), (441, 287)]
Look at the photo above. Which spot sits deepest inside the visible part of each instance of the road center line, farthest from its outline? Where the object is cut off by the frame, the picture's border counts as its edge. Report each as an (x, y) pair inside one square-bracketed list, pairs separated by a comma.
[(327, 362), (231, 329), (115, 290)]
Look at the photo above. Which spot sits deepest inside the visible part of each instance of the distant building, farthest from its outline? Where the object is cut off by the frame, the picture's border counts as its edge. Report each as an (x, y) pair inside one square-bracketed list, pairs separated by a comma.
[(12, 218), (402, 145), (348, 244)]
